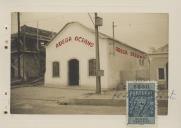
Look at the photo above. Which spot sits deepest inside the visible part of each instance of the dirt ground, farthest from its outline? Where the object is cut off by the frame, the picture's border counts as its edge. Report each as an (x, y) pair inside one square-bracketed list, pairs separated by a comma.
[(46, 100)]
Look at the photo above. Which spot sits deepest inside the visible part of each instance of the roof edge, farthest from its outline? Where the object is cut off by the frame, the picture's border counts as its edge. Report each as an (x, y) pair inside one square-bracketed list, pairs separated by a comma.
[(104, 36)]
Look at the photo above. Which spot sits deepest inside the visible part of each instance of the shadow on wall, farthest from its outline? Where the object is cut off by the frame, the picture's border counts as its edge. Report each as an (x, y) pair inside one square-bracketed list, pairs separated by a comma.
[(130, 75)]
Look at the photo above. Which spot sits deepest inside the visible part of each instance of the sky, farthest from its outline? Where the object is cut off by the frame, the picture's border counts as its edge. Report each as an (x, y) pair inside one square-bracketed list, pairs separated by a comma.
[(140, 30)]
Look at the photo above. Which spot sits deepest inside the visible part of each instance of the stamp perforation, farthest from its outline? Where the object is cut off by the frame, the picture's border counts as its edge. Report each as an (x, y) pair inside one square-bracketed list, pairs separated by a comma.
[(155, 102)]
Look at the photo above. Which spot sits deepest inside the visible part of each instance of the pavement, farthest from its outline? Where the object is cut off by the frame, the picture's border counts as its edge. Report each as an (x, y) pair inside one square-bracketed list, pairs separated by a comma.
[(72, 100)]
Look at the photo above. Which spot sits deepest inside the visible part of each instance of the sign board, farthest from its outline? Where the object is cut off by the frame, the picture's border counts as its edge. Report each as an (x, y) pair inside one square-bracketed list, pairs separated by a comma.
[(99, 21), (100, 72)]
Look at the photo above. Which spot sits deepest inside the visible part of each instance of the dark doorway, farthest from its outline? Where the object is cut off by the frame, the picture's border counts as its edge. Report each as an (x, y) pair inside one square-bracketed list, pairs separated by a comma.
[(73, 72)]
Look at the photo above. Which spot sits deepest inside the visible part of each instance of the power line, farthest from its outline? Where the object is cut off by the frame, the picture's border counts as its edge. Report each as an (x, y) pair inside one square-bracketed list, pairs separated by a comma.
[(91, 19)]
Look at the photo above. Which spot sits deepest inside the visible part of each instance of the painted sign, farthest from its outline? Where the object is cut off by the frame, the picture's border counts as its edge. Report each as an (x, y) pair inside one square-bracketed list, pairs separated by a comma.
[(130, 53), (76, 39)]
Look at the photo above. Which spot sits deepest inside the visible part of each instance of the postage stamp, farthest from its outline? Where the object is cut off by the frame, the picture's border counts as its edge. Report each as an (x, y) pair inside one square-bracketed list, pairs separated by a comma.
[(141, 102)]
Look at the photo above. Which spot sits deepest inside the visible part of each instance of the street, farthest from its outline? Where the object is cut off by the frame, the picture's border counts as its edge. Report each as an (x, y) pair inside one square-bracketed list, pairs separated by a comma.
[(51, 107), (46, 100)]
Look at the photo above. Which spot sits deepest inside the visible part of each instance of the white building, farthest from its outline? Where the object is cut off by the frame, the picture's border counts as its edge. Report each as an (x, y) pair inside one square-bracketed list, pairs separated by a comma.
[(70, 59), (159, 66)]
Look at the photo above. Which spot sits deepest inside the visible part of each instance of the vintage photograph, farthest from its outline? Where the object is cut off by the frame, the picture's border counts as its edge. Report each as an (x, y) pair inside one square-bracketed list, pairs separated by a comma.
[(79, 63)]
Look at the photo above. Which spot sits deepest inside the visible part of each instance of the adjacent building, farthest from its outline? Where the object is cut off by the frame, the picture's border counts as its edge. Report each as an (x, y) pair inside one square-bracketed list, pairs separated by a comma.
[(31, 53), (159, 66)]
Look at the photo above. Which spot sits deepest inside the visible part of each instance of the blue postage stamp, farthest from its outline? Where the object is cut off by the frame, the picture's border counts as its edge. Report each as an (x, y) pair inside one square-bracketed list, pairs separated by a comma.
[(141, 102)]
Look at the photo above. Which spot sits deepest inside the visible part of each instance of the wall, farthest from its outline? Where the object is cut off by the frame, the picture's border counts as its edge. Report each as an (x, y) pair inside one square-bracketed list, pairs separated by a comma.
[(29, 67), (74, 50), (158, 61), (122, 66)]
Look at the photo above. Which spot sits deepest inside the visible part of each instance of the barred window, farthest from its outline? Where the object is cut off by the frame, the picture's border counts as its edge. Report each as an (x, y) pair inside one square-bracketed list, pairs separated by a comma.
[(92, 67), (161, 73), (56, 69)]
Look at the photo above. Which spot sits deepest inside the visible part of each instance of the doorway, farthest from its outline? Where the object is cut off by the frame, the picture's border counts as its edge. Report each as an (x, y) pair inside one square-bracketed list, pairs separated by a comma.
[(73, 73)]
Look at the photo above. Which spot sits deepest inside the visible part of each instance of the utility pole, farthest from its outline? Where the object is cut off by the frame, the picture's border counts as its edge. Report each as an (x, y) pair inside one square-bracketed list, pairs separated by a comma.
[(38, 48), (113, 26), (98, 22), (24, 43), (19, 48), (37, 35)]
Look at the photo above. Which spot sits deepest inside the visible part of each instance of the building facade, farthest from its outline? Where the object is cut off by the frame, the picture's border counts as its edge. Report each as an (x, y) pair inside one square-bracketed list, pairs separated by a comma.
[(70, 59), (159, 66)]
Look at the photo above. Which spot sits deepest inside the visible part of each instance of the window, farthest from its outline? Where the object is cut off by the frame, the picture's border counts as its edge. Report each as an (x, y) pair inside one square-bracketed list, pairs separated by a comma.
[(92, 67), (161, 74), (56, 69)]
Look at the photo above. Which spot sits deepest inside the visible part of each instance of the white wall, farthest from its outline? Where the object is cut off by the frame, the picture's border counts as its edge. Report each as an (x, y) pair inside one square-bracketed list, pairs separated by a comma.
[(123, 67), (158, 61), (77, 50)]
